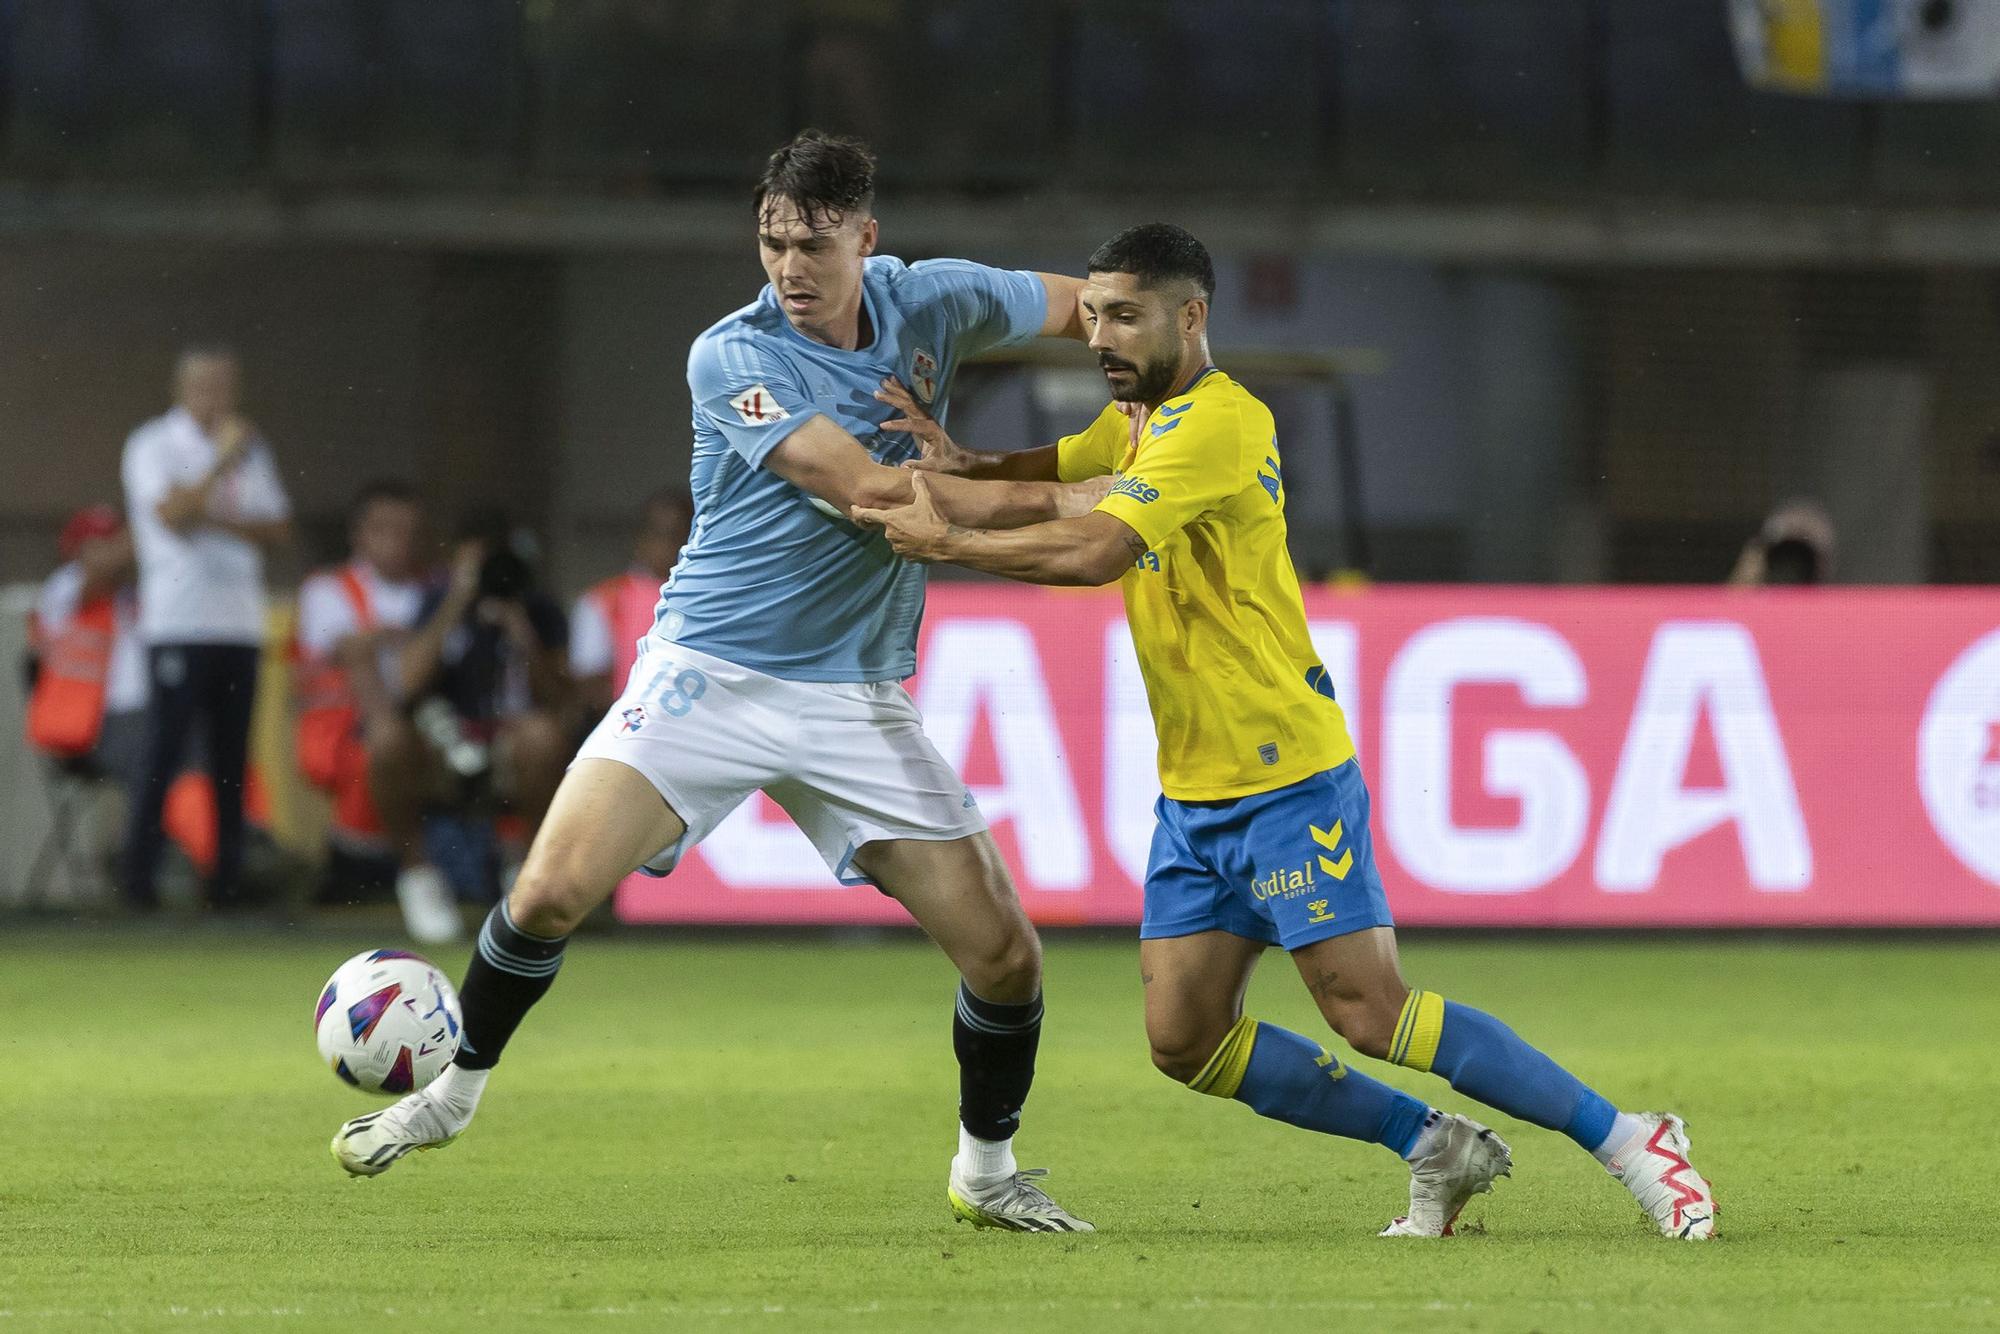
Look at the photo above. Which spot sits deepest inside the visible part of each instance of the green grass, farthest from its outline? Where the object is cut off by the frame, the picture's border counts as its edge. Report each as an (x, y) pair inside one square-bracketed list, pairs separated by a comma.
[(754, 1136)]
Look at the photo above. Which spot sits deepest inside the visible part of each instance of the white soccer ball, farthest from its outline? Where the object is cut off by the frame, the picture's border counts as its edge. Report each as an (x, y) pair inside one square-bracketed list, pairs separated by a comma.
[(388, 1022)]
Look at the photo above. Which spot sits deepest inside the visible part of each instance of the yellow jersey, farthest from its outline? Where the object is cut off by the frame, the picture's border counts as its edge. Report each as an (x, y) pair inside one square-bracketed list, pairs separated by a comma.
[(1240, 701)]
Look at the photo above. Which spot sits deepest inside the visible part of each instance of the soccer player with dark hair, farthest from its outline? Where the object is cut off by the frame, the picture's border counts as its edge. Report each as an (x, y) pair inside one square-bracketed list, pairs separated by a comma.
[(1263, 833), (775, 659)]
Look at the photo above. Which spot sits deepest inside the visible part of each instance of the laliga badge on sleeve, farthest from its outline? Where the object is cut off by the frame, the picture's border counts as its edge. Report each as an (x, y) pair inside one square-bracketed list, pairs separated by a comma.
[(757, 408)]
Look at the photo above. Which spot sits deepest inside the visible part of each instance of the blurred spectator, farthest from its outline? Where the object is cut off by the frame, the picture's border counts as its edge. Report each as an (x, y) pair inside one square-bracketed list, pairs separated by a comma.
[(204, 501), (1795, 546), (355, 739), (486, 671), (610, 619), (88, 699)]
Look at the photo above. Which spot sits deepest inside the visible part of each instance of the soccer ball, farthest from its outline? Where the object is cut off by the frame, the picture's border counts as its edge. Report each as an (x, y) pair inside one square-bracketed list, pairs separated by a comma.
[(387, 1022)]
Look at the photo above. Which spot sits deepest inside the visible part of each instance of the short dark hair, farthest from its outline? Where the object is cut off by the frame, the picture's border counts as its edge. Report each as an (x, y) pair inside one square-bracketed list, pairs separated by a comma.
[(380, 488), (1157, 252), (825, 176)]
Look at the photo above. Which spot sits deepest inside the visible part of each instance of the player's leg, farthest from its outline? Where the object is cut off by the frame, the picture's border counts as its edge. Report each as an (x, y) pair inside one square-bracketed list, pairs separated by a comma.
[(1360, 990), (1199, 942), (959, 891), (1200, 1036), (1359, 986), (689, 739), (1356, 978), (605, 821), (1293, 866)]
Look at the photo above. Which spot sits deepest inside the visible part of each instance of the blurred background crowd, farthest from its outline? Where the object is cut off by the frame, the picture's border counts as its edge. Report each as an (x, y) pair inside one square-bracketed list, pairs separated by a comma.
[(368, 319)]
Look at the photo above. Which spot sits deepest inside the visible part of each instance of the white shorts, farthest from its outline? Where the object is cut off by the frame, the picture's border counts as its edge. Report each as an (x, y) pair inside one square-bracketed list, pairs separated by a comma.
[(849, 763)]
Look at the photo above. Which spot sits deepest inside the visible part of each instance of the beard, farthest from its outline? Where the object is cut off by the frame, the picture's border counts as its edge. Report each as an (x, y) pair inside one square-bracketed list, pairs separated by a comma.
[(1151, 379)]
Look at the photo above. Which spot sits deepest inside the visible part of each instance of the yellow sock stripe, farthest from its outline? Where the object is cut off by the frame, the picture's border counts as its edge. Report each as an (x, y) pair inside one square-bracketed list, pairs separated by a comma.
[(1223, 1074), (1402, 1033), (1418, 1031)]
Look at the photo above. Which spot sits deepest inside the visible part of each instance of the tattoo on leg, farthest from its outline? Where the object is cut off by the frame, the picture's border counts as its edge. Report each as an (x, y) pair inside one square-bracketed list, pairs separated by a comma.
[(1145, 978), (1323, 982)]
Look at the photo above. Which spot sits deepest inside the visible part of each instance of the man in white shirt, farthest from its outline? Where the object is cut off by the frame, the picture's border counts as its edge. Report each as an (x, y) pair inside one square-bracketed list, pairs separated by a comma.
[(205, 503)]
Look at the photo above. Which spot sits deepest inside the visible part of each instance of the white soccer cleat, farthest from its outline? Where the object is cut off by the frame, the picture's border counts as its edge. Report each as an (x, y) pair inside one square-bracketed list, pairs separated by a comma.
[(1014, 1203), (1653, 1164), (430, 913), (1465, 1163), (370, 1145)]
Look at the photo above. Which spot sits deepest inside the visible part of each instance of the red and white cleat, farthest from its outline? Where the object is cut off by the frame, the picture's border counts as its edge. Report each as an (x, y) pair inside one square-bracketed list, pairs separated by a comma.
[(1654, 1166)]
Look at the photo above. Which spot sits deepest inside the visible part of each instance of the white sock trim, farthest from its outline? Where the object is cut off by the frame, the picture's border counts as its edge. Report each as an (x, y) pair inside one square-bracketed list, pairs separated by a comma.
[(459, 1088), (1623, 1128), (981, 1162)]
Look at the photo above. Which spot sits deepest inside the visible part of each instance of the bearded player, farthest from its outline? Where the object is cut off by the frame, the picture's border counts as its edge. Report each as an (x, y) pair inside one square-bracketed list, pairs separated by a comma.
[(1262, 834), (775, 662)]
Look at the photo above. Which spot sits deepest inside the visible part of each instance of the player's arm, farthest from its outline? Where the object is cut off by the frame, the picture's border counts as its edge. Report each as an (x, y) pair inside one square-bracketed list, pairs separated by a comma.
[(823, 460), (1065, 307), (1186, 470), (1087, 550)]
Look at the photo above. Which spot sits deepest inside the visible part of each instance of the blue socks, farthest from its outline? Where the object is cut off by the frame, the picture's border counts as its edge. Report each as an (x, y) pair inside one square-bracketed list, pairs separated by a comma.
[(1288, 1078), (1484, 1059)]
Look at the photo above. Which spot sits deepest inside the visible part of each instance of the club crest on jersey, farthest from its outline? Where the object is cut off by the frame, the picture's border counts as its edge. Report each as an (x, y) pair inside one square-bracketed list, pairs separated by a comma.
[(635, 718), (757, 408), (923, 376)]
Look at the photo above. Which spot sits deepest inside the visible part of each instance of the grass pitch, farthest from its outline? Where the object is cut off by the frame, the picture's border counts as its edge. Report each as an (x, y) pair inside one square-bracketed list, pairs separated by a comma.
[(754, 1135)]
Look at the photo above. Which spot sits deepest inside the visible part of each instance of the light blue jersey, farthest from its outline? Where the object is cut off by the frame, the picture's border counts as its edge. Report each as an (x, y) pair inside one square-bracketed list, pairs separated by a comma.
[(768, 580)]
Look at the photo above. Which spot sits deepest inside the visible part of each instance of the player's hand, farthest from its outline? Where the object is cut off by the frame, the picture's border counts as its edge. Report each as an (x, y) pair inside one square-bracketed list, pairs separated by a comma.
[(916, 531), (940, 452)]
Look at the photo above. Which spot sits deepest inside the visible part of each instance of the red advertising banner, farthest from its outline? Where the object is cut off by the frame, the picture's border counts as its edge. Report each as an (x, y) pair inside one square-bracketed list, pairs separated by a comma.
[(1537, 757)]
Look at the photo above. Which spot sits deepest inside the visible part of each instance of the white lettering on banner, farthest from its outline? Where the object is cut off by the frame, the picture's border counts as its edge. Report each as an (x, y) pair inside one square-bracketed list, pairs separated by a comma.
[(746, 851), (1131, 755), (991, 664), (1535, 767), (1338, 644), (1692, 664), (1958, 757)]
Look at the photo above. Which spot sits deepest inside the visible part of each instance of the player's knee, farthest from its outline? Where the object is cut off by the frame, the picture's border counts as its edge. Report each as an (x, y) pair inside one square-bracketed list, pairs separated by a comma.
[(553, 894), (1010, 972), (1179, 1063), (1368, 1023), (1182, 1050)]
